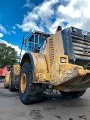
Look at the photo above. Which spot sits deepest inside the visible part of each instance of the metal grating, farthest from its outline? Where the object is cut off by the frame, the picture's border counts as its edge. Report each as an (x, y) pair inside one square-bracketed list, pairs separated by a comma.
[(81, 47), (51, 51)]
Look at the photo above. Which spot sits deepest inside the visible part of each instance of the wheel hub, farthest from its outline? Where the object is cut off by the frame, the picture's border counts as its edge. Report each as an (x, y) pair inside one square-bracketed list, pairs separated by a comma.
[(23, 82)]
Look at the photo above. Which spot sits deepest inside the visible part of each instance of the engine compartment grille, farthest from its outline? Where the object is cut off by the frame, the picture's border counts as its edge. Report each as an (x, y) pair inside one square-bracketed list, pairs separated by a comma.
[(81, 46)]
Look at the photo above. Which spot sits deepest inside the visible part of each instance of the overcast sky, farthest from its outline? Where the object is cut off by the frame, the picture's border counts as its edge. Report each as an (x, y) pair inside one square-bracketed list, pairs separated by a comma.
[(20, 16)]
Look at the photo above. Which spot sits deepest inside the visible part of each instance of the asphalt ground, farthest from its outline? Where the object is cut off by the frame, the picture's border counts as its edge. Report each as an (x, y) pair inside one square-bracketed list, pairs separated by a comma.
[(54, 107)]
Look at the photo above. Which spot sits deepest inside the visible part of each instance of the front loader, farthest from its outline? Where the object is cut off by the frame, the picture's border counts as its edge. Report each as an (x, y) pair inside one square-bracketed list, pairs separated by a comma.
[(60, 61), (11, 80)]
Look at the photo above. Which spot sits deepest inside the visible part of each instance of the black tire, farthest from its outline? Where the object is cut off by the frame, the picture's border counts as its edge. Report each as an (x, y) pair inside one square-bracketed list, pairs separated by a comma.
[(33, 92), (11, 81), (75, 94)]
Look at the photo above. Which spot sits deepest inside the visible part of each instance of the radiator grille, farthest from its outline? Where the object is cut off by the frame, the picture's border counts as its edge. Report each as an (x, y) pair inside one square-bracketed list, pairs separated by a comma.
[(51, 51), (81, 48)]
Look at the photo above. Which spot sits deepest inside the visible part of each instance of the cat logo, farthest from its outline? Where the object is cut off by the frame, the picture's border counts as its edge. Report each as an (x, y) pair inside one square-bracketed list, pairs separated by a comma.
[(86, 50)]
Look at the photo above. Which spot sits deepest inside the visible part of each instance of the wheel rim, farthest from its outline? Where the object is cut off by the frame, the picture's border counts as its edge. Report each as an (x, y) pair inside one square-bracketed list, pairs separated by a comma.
[(10, 80), (23, 82)]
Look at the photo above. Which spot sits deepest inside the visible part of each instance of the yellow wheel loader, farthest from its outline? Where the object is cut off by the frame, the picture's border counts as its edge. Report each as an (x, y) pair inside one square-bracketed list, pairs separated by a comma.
[(59, 61), (12, 78)]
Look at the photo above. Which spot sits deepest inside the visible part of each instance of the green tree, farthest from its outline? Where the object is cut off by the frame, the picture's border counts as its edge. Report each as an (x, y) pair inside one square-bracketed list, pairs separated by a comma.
[(8, 55)]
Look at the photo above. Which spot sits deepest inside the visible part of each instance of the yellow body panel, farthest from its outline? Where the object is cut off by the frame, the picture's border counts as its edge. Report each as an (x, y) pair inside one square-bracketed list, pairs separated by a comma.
[(54, 46), (63, 76), (40, 70)]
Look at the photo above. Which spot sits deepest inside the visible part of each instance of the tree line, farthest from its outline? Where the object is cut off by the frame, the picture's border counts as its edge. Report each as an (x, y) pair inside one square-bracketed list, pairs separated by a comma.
[(8, 55)]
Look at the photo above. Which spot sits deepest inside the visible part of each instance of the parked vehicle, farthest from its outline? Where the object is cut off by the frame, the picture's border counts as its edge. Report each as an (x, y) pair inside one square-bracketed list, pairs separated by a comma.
[(3, 71), (60, 61)]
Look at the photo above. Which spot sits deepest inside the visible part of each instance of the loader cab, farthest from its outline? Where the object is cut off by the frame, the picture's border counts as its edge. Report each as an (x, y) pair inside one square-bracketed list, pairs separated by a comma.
[(36, 40)]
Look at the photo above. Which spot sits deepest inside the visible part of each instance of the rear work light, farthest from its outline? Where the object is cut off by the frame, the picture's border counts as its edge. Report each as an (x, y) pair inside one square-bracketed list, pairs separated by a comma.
[(63, 60)]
